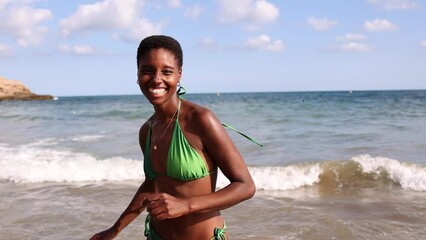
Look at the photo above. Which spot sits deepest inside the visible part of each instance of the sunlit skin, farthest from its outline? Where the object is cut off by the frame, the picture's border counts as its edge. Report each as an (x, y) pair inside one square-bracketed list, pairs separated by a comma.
[(182, 209)]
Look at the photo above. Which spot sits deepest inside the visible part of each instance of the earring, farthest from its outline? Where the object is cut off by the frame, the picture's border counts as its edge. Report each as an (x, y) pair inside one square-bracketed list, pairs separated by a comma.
[(180, 89)]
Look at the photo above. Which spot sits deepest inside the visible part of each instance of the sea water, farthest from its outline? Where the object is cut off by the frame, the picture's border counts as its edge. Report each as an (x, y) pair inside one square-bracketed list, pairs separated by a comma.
[(335, 165)]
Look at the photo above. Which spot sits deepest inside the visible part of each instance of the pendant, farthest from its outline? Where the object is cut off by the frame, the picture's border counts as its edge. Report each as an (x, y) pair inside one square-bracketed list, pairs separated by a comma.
[(155, 147)]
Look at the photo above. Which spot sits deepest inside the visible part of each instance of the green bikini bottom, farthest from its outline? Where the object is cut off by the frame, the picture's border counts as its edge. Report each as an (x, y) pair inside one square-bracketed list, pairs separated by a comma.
[(219, 233)]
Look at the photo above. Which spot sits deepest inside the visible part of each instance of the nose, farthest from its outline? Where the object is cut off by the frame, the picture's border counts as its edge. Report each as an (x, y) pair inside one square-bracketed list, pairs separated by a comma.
[(156, 77)]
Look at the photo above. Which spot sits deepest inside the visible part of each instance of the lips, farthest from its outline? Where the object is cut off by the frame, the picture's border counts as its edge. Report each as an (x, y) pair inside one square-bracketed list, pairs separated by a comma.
[(157, 92)]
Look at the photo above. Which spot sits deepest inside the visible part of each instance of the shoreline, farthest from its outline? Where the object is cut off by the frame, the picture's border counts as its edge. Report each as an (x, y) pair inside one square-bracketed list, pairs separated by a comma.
[(29, 97), (55, 210)]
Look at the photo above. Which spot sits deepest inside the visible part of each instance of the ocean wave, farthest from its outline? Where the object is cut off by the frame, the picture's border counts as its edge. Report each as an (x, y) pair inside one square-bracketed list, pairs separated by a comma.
[(87, 138), (46, 142), (282, 178), (407, 175), (28, 164), (32, 164)]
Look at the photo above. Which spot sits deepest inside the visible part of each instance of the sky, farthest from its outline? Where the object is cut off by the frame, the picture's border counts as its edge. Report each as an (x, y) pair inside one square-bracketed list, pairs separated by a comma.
[(82, 47)]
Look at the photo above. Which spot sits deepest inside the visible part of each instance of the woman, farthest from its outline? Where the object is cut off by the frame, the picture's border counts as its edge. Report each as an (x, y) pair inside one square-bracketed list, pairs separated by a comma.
[(183, 144)]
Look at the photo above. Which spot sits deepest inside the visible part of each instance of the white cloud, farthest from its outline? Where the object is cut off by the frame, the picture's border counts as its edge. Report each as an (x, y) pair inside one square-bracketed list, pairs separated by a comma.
[(353, 43), (77, 49), (5, 51), (141, 29), (351, 37), (209, 45), (194, 11), (118, 16), (321, 24), (23, 23), (379, 25), (394, 4), (423, 43), (356, 47), (264, 42), (105, 15), (3, 4), (175, 4), (252, 13)]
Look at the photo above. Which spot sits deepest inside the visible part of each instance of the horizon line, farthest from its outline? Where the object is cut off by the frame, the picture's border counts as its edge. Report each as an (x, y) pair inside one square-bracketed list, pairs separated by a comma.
[(251, 92)]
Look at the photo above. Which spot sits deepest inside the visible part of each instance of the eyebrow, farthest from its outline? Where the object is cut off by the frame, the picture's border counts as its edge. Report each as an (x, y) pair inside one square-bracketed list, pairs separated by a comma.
[(149, 67), (144, 67)]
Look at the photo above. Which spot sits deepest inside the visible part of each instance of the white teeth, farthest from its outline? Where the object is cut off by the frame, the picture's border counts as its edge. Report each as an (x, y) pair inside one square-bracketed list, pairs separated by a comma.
[(157, 91)]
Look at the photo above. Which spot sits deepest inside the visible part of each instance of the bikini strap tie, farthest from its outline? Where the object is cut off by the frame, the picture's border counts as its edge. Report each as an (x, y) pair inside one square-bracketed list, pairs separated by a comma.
[(181, 91)]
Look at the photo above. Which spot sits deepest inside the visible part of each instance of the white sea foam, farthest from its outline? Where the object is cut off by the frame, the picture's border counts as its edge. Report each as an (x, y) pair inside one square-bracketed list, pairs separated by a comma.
[(409, 176), (33, 164), (38, 163), (76, 138), (281, 178), (45, 142), (87, 138)]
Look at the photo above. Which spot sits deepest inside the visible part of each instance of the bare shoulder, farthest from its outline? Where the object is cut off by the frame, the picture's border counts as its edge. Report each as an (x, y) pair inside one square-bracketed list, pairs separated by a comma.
[(199, 116), (145, 126), (143, 132), (203, 123)]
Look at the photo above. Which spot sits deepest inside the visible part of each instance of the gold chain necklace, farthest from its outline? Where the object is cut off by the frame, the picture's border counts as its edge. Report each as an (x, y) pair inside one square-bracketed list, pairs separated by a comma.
[(165, 130)]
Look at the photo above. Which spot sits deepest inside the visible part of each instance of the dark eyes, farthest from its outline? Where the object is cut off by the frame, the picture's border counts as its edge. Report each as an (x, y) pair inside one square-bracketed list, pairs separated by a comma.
[(167, 72), (151, 72), (147, 72)]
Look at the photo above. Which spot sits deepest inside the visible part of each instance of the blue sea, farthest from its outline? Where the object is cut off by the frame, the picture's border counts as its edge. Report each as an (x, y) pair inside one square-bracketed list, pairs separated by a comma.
[(335, 165)]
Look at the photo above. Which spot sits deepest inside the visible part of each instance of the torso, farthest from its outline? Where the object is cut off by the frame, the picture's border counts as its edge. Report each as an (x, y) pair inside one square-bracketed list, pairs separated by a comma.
[(196, 225)]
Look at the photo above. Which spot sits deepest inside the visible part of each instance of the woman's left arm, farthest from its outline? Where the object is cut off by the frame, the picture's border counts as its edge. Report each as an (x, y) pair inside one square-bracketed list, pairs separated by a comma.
[(223, 152)]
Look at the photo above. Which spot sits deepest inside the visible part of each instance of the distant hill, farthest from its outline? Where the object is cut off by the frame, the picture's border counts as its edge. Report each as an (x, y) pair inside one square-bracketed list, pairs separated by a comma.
[(16, 90)]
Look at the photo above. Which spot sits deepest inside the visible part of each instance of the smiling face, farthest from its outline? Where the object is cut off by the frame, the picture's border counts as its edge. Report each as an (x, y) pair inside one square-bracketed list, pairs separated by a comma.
[(158, 75)]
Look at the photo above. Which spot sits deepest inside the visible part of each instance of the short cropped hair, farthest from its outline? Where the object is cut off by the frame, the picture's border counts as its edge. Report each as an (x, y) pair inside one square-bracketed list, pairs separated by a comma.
[(160, 41)]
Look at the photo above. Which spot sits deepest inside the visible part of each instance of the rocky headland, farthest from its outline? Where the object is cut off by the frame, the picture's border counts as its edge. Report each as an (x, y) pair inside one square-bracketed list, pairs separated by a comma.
[(16, 90)]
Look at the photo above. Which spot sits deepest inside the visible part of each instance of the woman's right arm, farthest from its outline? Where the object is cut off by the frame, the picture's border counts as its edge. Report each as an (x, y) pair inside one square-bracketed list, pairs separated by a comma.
[(132, 211), (135, 207)]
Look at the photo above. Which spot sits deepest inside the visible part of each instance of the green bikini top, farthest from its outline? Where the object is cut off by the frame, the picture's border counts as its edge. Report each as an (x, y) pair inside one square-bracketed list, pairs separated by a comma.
[(183, 162)]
